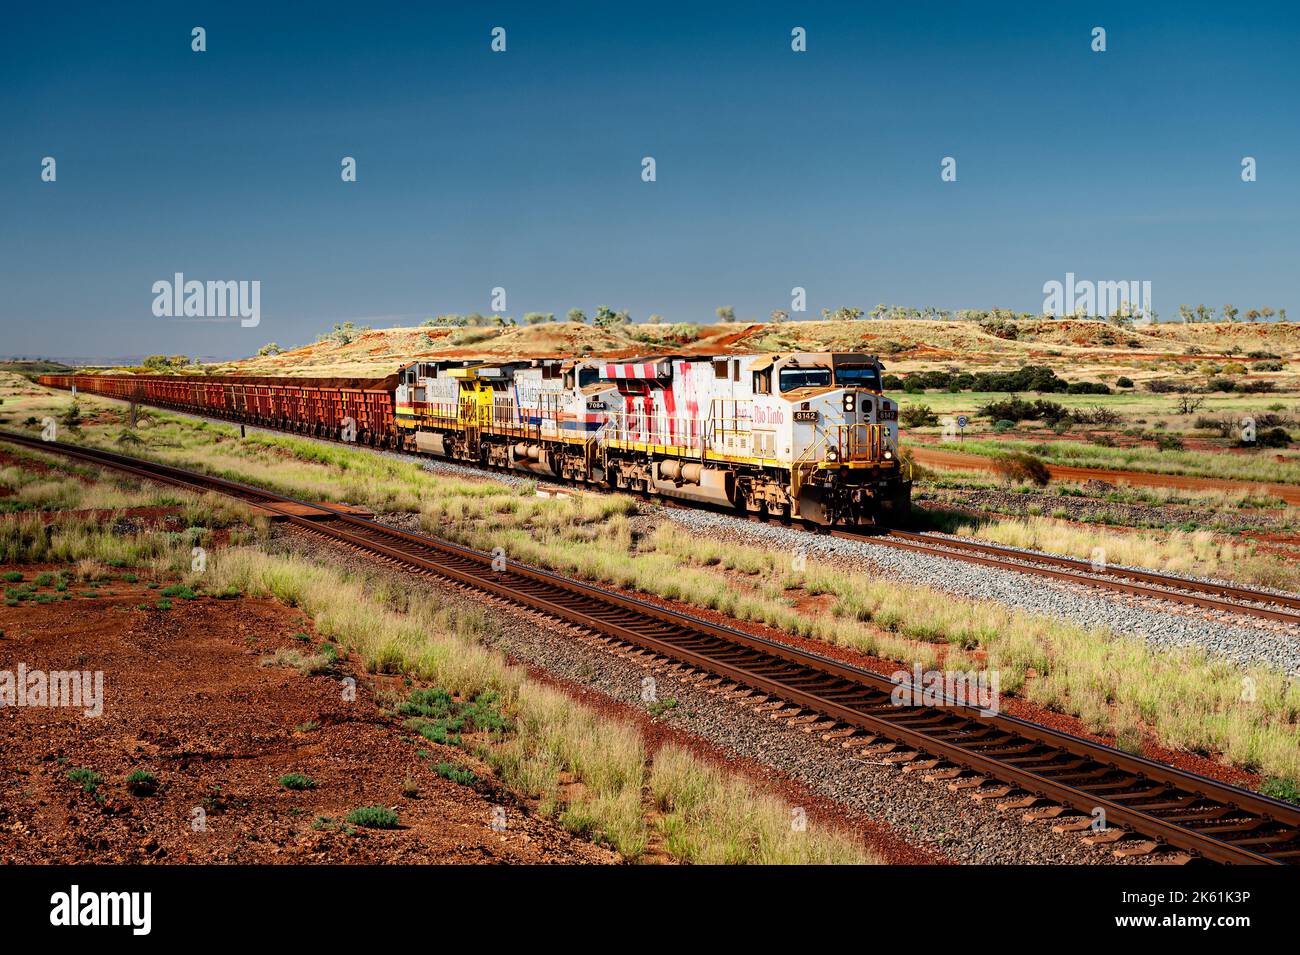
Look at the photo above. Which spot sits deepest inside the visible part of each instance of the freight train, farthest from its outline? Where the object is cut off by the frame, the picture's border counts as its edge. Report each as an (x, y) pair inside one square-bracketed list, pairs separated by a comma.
[(805, 436)]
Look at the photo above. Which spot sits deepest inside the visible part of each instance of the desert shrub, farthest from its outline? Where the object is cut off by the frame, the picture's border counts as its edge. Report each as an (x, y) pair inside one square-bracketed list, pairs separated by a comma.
[(1257, 387), (917, 416), (1169, 442), (1224, 425), (1018, 466), (1003, 426), (1087, 388), (1123, 382), (1273, 438), (1000, 328), (1018, 409), (1167, 386), (1268, 366), (1097, 414), (891, 383), (297, 781)]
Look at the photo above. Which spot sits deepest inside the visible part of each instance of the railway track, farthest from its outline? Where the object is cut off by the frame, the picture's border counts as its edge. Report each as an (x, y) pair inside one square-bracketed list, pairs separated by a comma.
[(1146, 806), (1219, 597), (1140, 583)]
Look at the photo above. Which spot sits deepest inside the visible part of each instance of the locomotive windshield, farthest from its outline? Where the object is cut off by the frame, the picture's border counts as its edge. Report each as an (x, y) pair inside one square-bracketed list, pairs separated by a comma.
[(794, 378), (587, 376), (858, 376)]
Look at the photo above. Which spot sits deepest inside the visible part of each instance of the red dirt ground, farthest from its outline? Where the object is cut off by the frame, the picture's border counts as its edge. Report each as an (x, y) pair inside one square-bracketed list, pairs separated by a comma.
[(185, 697)]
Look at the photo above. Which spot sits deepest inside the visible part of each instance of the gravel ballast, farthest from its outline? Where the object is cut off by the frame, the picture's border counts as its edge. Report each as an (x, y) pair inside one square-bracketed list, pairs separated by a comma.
[(924, 814), (1163, 625)]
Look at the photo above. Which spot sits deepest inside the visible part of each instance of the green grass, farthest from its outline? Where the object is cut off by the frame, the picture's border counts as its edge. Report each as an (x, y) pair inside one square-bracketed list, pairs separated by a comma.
[(1284, 789), (297, 781), (373, 817), (437, 717), (87, 779), (142, 782), (457, 774), (545, 737)]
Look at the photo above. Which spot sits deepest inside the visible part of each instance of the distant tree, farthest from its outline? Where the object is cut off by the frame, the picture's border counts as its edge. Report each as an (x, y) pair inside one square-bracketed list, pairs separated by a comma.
[(537, 318), (1204, 313), (271, 348), (778, 316), (1281, 315), (1252, 315), (725, 313), (1230, 312), (577, 315), (1185, 313), (844, 313), (445, 321), (654, 319), (343, 333), (157, 362), (606, 317), (879, 311), (1266, 313)]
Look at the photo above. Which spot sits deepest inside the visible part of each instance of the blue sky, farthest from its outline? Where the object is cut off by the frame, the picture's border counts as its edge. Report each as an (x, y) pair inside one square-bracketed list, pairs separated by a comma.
[(522, 169)]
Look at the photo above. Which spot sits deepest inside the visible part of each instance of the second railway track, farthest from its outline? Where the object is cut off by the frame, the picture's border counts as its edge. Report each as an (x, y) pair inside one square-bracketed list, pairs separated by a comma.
[(1225, 598), (1148, 806)]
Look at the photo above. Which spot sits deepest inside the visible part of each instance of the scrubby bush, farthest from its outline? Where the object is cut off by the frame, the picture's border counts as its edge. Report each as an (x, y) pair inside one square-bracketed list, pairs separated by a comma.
[(1257, 387), (917, 416), (1018, 409), (1123, 382), (1018, 466), (1169, 442), (1273, 438)]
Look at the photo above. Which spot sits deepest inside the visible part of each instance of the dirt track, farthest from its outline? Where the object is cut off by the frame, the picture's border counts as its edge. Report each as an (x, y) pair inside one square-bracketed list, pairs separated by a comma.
[(971, 462)]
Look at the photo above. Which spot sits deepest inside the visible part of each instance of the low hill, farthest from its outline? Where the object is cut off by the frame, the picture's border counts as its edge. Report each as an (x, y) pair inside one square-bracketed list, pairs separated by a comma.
[(1078, 348)]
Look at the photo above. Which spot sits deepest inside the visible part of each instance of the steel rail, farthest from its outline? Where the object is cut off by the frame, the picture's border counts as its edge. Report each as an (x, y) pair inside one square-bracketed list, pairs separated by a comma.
[(1141, 583), (1214, 820), (1162, 586)]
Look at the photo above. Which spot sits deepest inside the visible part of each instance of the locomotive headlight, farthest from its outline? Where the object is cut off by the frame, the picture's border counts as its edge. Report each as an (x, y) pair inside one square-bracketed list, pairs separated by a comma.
[(849, 402), (889, 455), (832, 454)]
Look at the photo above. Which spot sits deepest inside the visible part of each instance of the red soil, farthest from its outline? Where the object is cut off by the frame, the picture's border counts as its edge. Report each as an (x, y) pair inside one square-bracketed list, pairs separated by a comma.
[(186, 699)]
